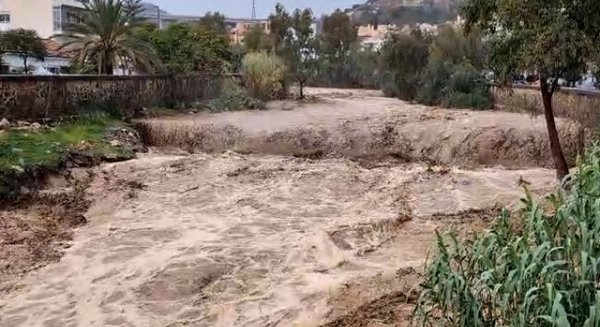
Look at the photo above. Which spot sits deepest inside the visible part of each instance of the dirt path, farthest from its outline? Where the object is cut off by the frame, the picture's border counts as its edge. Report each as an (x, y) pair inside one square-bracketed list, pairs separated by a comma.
[(236, 239)]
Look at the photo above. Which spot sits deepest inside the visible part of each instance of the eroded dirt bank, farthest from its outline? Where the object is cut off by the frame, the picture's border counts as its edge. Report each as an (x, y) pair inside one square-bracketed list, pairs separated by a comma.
[(242, 239), (365, 126)]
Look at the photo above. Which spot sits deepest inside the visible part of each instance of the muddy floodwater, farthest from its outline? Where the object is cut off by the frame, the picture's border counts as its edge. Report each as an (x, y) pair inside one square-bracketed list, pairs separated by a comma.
[(296, 216)]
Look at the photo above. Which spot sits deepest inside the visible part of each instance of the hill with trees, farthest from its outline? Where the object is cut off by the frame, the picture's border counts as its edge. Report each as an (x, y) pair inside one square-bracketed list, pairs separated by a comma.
[(403, 12)]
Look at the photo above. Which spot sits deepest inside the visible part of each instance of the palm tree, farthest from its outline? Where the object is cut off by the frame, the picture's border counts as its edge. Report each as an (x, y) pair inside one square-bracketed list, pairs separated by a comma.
[(104, 36)]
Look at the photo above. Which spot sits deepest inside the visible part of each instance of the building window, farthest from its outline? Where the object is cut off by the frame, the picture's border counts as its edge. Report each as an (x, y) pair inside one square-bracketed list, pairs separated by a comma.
[(4, 17), (57, 18)]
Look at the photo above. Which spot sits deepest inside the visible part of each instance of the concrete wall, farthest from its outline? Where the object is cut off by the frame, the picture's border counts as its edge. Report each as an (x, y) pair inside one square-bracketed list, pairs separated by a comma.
[(27, 97)]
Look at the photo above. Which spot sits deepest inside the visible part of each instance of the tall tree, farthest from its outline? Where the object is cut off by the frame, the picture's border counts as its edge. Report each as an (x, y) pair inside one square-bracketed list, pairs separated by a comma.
[(293, 40), (301, 43), (280, 22), (185, 48), (24, 43), (338, 34), (214, 21), (105, 36), (550, 37), (403, 59), (257, 39)]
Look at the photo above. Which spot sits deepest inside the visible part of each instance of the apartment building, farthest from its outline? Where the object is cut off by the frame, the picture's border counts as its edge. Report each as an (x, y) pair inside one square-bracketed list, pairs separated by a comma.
[(47, 17)]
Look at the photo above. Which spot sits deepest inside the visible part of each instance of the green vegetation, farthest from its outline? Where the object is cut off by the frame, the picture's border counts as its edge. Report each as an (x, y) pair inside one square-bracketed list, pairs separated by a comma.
[(466, 88), (256, 39), (294, 40), (555, 38), (105, 37), (25, 153), (233, 97), (406, 13), (404, 57), (186, 48), (24, 43), (332, 58), (446, 69), (264, 75), (538, 267)]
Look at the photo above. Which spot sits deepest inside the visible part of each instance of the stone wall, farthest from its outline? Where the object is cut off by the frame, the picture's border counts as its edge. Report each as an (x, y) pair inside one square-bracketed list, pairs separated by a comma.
[(31, 98), (580, 105)]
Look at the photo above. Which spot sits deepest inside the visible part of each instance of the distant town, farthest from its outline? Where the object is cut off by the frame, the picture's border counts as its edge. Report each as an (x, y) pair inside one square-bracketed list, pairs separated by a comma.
[(51, 17)]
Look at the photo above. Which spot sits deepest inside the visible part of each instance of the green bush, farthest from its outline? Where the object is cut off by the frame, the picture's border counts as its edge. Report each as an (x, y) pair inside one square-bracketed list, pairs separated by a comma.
[(433, 82), (538, 267), (232, 98), (466, 88), (263, 75), (403, 59)]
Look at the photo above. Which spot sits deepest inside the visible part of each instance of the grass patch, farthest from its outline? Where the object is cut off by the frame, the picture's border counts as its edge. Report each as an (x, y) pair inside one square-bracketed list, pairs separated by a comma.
[(25, 154), (26, 149)]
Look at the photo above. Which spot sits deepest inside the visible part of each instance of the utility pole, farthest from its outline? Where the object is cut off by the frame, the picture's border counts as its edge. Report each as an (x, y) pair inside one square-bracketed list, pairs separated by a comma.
[(158, 22), (253, 9)]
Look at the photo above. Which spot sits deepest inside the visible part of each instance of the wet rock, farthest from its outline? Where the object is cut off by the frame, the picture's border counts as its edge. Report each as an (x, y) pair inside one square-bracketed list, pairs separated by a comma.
[(116, 157), (22, 123), (36, 126), (4, 124), (80, 159), (127, 138)]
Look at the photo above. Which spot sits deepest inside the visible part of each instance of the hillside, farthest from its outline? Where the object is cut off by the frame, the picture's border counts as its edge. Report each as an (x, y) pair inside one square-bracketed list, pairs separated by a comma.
[(400, 3), (402, 12)]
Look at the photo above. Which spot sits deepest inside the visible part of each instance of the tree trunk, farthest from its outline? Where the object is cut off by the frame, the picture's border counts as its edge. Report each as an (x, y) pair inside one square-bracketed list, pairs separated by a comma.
[(107, 64), (25, 69), (107, 68), (301, 90), (560, 163)]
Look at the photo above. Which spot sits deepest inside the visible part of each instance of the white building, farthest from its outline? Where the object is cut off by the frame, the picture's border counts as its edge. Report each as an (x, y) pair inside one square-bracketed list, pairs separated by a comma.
[(46, 17), (55, 61)]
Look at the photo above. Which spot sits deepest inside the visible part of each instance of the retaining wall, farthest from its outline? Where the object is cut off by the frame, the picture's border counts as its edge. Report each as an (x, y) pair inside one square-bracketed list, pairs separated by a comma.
[(27, 97)]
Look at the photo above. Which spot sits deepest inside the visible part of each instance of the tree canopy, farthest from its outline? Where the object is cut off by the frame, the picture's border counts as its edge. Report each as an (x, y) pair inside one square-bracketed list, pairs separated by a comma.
[(214, 21), (185, 48), (105, 36), (338, 34), (24, 43), (554, 38)]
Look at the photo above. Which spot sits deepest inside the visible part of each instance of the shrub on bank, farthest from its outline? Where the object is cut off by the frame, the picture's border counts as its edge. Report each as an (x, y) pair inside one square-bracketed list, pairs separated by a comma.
[(403, 59), (466, 88), (535, 268), (445, 69), (233, 97), (264, 75)]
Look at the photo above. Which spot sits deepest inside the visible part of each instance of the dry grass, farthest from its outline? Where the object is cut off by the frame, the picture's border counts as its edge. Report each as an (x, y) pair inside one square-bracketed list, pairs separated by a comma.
[(578, 107)]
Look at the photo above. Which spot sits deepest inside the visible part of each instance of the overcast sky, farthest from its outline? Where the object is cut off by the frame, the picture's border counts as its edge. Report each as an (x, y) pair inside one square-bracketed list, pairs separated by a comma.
[(243, 8)]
